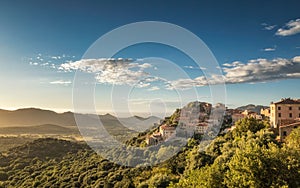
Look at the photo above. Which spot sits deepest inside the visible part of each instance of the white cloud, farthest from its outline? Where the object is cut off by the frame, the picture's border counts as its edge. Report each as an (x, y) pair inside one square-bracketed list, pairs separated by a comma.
[(269, 49), (153, 88), (291, 28), (296, 59), (192, 67), (49, 61), (189, 67), (294, 75), (256, 70), (112, 71), (133, 73), (33, 63), (143, 84), (44, 64), (268, 27), (235, 63), (61, 82), (187, 83)]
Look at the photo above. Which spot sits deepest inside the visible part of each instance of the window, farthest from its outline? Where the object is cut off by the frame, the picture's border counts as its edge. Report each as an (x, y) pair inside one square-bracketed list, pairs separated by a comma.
[(279, 107), (284, 133), (279, 114), (291, 115), (290, 108)]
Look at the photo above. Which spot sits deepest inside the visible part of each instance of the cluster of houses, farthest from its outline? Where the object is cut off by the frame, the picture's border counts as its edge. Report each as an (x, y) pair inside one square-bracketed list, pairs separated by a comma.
[(284, 116), (193, 119)]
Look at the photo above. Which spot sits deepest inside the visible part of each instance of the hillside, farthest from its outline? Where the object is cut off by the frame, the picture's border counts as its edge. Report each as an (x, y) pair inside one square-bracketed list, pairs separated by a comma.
[(33, 116), (227, 162), (252, 107), (39, 129), (19, 126)]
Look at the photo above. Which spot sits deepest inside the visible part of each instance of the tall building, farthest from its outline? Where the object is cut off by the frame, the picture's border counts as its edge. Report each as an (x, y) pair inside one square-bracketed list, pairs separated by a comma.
[(285, 111)]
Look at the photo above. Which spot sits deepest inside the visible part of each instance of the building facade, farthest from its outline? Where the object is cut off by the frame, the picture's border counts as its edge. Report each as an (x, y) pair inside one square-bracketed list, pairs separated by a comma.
[(167, 131), (265, 112), (285, 130), (285, 110)]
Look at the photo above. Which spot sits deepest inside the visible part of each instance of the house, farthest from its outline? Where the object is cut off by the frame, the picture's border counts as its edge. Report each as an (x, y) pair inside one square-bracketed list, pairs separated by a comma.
[(285, 130), (201, 128), (232, 111), (154, 139), (236, 117), (284, 110), (265, 112), (167, 131)]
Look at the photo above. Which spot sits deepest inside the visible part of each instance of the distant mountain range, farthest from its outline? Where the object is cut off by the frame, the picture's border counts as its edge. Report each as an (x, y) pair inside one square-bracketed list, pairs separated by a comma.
[(33, 116), (39, 121), (252, 107), (39, 129)]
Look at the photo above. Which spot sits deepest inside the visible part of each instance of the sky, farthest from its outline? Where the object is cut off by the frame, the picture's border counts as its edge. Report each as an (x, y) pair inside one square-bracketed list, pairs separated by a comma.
[(43, 46)]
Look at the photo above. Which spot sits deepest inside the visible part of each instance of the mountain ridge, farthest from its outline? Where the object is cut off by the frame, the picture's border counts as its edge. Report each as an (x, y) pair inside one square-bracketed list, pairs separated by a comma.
[(252, 107), (37, 116)]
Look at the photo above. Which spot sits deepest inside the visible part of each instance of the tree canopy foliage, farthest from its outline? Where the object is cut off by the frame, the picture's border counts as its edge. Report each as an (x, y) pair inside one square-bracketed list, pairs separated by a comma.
[(248, 156)]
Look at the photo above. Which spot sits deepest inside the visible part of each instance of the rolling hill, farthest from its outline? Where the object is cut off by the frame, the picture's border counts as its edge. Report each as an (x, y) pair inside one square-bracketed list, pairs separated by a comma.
[(39, 121), (252, 107), (39, 129)]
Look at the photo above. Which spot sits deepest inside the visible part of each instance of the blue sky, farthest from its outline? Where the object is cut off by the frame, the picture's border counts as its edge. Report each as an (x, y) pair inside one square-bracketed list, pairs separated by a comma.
[(60, 33)]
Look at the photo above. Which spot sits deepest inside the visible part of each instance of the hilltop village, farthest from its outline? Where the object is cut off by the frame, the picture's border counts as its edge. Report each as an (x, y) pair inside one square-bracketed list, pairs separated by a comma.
[(197, 118)]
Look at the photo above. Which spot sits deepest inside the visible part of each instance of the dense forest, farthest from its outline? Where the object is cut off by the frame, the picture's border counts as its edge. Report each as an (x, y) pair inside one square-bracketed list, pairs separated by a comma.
[(247, 156)]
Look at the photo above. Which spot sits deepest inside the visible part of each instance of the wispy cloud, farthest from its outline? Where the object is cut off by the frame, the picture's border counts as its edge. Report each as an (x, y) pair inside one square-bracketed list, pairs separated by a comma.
[(184, 84), (268, 26), (290, 28), (136, 73), (192, 67), (153, 88), (269, 49), (113, 71), (256, 70), (33, 63), (49, 61), (61, 82), (259, 70)]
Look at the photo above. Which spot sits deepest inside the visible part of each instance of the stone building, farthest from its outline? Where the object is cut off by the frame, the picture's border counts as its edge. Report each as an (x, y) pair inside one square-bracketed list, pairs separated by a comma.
[(285, 130), (284, 110), (167, 131), (265, 112)]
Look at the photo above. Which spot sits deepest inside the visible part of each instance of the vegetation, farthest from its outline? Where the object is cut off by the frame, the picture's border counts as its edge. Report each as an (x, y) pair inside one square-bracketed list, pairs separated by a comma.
[(248, 156)]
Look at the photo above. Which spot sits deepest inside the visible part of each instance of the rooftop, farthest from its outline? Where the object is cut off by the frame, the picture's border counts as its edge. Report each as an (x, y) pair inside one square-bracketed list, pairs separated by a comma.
[(167, 127), (292, 124), (288, 101)]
